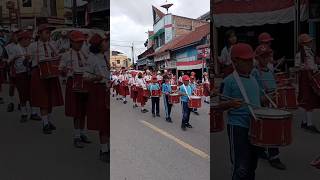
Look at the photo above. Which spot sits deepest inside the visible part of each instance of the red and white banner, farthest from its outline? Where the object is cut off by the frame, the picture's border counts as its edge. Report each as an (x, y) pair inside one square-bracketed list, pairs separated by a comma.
[(255, 12), (189, 65)]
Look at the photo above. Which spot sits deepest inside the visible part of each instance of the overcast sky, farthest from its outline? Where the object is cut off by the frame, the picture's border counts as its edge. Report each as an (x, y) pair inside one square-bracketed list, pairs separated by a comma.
[(130, 20)]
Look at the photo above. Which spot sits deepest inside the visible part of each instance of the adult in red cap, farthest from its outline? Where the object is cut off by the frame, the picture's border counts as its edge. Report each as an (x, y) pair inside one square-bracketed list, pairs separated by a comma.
[(308, 97), (265, 38), (185, 90)]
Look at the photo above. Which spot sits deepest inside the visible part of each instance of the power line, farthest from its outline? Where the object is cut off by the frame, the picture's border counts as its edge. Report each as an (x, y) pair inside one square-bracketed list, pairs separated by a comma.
[(127, 41)]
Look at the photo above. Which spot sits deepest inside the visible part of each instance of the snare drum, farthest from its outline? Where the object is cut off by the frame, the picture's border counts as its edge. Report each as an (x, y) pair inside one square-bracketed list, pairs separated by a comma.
[(134, 87), (286, 97), (195, 102), (316, 83), (78, 83), (272, 129), (174, 98), (49, 68), (156, 93), (216, 119), (146, 92), (281, 77)]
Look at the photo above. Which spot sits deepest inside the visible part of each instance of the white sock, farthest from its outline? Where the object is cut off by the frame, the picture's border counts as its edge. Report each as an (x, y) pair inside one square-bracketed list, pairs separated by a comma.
[(309, 118), (104, 147), (45, 120), (206, 98), (124, 99), (24, 110), (77, 133), (83, 132)]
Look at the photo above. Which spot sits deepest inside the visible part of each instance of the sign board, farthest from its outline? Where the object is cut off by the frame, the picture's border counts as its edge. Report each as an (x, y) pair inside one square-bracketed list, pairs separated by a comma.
[(162, 57), (171, 64), (204, 53)]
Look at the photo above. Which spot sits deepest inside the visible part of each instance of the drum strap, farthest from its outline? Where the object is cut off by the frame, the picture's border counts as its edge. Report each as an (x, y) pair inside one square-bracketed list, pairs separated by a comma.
[(186, 91), (243, 92)]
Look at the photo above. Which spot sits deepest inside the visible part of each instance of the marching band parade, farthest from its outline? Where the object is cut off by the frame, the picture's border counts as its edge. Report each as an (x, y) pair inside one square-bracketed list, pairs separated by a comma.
[(35, 65)]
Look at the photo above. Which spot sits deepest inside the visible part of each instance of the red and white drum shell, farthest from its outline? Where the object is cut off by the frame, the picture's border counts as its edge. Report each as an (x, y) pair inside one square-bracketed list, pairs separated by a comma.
[(146, 92), (281, 77), (125, 83), (316, 83), (174, 88), (79, 85), (195, 102), (273, 128), (286, 97), (155, 93), (134, 87), (216, 119), (174, 98), (49, 68)]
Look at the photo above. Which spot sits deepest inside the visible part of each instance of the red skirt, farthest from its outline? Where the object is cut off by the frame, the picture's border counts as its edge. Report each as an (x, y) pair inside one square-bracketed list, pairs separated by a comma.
[(124, 90), (45, 93), (76, 103), (133, 94), (206, 89), (98, 109), (141, 99), (23, 86), (307, 98)]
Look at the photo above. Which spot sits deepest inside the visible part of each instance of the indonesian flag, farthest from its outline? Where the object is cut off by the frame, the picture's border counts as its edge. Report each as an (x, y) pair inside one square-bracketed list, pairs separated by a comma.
[(255, 12)]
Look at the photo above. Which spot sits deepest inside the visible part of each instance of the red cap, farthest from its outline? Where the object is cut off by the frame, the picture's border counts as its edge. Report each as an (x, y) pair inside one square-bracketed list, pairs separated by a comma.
[(305, 38), (265, 37), (96, 39), (24, 34), (242, 51), (185, 78), (262, 50), (134, 73), (193, 73), (77, 36), (44, 27)]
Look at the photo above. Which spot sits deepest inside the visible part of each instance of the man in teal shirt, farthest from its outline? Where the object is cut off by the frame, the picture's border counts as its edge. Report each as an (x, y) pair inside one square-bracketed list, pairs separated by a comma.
[(185, 92)]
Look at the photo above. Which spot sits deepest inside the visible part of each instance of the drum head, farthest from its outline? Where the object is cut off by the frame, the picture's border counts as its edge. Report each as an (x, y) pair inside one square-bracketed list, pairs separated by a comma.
[(195, 97), (271, 113), (174, 94)]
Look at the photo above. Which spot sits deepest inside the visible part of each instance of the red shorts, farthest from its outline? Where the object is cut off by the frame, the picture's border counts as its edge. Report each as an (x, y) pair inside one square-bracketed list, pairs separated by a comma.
[(124, 90), (23, 82), (45, 93), (141, 99), (98, 110), (206, 89), (76, 103), (133, 94)]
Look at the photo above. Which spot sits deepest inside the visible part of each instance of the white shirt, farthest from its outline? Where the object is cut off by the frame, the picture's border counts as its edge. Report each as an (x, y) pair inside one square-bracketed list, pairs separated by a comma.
[(147, 78), (132, 80), (225, 57), (309, 63), (97, 65), (141, 83), (10, 48), (71, 61), (205, 80), (18, 56), (38, 52), (159, 77), (115, 79)]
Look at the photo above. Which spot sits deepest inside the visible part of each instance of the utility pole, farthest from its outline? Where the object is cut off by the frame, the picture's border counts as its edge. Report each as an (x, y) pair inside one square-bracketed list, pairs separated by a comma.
[(18, 14), (132, 53), (74, 13)]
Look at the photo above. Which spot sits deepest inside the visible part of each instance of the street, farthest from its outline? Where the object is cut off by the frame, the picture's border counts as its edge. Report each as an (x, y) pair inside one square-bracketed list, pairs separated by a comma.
[(147, 148), (297, 156), (26, 153)]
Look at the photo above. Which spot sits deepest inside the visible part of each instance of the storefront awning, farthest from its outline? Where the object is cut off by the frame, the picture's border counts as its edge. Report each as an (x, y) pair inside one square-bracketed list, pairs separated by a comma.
[(190, 65), (229, 13)]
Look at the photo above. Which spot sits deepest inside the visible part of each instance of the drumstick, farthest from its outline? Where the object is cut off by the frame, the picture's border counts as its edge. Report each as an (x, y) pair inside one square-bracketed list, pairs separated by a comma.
[(269, 99), (232, 98)]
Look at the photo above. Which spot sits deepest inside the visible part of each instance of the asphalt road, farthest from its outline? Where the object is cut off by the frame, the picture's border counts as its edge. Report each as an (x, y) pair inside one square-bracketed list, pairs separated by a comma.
[(28, 154), (147, 148), (297, 156)]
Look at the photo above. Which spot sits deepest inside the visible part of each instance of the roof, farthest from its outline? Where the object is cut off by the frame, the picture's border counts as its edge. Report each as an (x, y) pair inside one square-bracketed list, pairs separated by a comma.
[(157, 14), (195, 36)]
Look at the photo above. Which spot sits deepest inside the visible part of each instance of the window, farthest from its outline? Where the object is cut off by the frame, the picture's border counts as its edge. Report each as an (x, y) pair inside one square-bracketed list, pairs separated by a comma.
[(118, 61)]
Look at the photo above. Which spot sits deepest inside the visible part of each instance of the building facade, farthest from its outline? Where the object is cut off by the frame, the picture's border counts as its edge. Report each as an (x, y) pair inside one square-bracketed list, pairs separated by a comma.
[(119, 60)]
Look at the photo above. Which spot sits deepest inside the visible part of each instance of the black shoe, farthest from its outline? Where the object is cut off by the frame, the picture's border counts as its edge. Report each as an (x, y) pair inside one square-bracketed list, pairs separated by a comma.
[(35, 117), (276, 163), (124, 102), (153, 115), (312, 129), (1, 101), (188, 126), (183, 127), (19, 107), (158, 115), (78, 143), (263, 155), (46, 129), (112, 95), (52, 127), (85, 139), (10, 107), (169, 120), (24, 118), (196, 113), (304, 125), (105, 156), (144, 111)]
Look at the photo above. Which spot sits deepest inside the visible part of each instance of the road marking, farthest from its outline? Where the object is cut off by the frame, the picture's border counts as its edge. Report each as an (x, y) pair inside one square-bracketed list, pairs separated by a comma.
[(178, 141)]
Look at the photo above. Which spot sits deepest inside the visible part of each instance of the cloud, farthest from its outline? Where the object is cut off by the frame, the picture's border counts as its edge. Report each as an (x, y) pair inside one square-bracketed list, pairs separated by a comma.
[(131, 19)]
